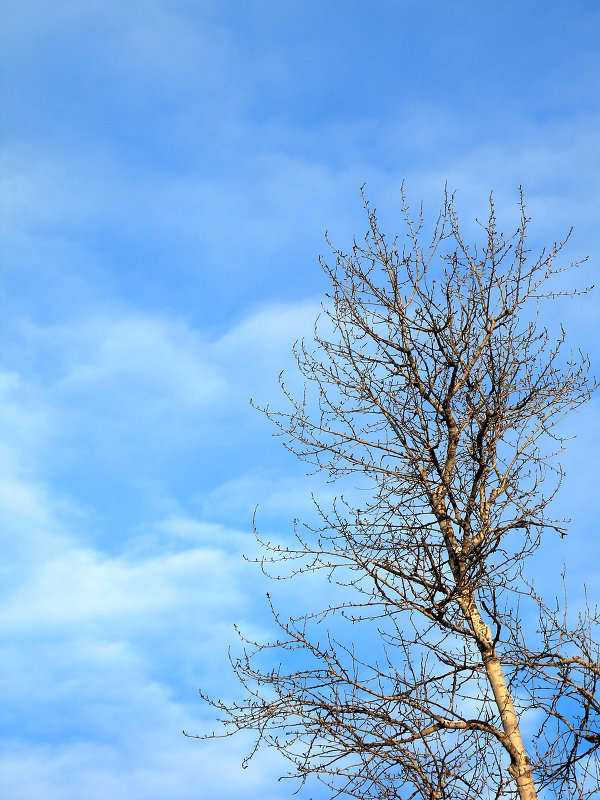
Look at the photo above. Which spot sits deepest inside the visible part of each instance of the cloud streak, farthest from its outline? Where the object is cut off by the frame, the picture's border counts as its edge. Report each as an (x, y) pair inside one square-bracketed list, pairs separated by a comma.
[(168, 173)]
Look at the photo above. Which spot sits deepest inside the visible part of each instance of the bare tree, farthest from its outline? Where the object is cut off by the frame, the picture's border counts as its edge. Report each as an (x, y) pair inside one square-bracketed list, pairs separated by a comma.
[(437, 385)]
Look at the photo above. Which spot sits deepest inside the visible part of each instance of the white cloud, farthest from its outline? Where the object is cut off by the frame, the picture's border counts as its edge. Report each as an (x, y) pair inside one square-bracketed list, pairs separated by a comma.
[(107, 634), (107, 637), (95, 649), (118, 379), (150, 766), (109, 625), (80, 588), (135, 357), (133, 386)]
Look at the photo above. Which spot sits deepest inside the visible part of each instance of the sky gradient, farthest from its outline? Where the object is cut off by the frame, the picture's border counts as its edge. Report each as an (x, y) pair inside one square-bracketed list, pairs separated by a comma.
[(168, 173)]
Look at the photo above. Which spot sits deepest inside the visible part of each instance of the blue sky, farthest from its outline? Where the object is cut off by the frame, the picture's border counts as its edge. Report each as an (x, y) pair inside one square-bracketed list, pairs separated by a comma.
[(168, 172)]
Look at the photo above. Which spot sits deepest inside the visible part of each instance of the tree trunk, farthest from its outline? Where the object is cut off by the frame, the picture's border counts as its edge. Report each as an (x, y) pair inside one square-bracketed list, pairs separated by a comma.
[(519, 766)]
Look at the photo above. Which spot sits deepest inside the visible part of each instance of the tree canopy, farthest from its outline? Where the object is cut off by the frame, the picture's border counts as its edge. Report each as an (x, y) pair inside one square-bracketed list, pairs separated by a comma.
[(433, 378)]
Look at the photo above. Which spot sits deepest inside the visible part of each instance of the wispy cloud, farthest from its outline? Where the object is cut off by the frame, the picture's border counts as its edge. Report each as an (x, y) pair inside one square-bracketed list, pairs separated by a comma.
[(117, 624), (168, 173)]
